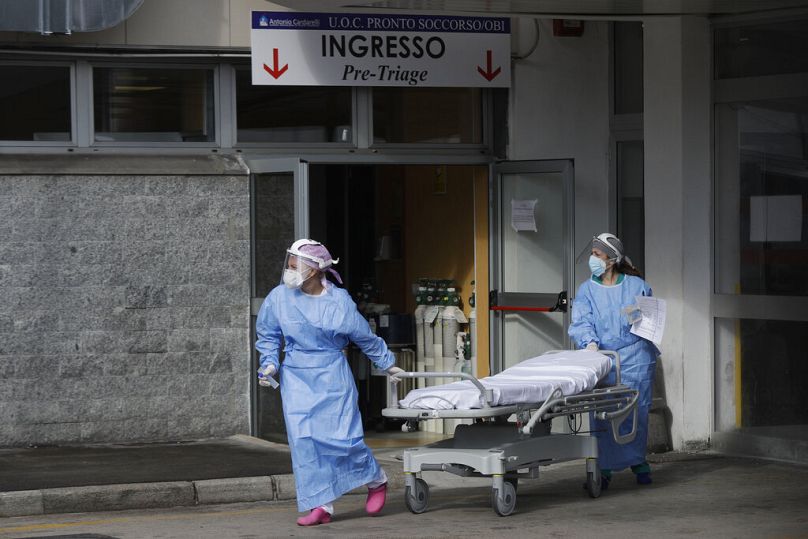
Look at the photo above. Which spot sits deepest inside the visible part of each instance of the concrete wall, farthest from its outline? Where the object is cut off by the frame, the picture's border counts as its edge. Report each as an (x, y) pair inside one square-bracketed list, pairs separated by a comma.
[(678, 186), (125, 311), (560, 110)]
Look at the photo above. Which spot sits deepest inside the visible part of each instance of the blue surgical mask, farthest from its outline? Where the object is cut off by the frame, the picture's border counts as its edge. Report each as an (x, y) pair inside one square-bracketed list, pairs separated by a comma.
[(597, 266)]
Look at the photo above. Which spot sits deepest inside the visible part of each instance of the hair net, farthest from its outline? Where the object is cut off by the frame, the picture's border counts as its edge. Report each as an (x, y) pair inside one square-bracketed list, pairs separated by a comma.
[(318, 251), (610, 245)]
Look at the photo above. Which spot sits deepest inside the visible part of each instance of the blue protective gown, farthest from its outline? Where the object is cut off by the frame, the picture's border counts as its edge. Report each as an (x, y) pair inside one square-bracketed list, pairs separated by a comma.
[(597, 315), (329, 455)]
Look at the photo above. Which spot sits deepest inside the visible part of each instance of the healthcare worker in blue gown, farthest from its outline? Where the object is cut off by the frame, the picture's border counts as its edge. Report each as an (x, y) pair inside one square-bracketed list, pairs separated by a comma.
[(316, 320), (601, 314)]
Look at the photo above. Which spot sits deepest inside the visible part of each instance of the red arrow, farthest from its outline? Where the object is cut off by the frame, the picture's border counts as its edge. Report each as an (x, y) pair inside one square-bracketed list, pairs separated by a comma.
[(488, 74), (275, 72)]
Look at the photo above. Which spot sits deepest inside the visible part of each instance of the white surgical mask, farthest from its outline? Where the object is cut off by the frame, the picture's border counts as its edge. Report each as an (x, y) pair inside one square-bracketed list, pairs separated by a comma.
[(293, 278), (597, 266)]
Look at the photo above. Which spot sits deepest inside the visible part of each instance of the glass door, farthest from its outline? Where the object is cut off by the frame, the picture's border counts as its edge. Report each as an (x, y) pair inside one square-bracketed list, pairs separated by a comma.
[(531, 266), (278, 216)]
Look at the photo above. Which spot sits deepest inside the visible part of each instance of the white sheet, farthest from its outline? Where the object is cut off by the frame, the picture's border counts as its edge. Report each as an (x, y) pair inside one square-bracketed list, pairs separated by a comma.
[(531, 381)]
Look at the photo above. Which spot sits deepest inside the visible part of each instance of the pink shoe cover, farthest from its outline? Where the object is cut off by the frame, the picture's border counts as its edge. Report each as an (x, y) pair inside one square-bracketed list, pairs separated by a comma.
[(317, 516), (376, 498)]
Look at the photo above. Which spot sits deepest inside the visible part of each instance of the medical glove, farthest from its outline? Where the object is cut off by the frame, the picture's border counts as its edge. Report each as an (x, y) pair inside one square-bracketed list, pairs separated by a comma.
[(592, 347), (393, 372), (265, 377), (597, 266), (633, 314)]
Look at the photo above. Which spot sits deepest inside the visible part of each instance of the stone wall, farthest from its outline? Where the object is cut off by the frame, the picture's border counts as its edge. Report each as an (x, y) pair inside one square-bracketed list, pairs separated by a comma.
[(125, 307)]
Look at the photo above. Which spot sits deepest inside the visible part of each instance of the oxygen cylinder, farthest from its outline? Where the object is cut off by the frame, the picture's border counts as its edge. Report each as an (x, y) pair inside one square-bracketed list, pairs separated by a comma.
[(419, 343), (430, 314), (450, 326), (473, 332), (437, 341)]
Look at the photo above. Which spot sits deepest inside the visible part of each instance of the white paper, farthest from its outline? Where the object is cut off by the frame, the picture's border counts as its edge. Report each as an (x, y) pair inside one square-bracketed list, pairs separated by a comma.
[(384, 321), (775, 218), (652, 324), (523, 214)]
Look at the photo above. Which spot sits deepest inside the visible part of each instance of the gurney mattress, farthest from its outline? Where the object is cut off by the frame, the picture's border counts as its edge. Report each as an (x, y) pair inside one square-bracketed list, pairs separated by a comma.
[(527, 382)]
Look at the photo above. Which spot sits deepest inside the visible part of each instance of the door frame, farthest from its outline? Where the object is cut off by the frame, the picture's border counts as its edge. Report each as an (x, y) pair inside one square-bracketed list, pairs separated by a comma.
[(566, 168), (300, 173), (299, 166)]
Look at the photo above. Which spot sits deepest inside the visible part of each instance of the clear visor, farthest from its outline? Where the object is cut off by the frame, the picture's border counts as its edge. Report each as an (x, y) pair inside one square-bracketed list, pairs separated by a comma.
[(595, 243), (295, 271)]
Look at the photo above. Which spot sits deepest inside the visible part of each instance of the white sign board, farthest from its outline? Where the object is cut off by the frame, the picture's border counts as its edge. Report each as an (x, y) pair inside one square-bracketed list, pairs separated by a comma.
[(350, 49)]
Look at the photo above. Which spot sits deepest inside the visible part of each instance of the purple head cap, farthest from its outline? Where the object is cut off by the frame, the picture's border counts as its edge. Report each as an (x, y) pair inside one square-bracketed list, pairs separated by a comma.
[(319, 251)]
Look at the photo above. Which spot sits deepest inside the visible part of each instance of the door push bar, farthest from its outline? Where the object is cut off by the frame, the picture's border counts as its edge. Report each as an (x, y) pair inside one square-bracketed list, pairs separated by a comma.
[(561, 304)]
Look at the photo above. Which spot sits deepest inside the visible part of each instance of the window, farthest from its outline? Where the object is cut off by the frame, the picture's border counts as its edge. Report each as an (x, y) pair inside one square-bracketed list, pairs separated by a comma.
[(628, 72), (293, 114), (627, 136), (761, 196), (427, 115), (35, 103), (765, 49), (631, 201), (760, 370), (153, 104)]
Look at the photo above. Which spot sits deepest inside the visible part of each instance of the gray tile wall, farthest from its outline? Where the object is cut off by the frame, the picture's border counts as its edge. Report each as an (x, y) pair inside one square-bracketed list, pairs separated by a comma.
[(124, 308)]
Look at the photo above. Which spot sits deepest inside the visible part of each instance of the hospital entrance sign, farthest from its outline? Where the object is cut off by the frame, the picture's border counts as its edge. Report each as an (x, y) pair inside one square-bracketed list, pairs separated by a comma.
[(350, 49)]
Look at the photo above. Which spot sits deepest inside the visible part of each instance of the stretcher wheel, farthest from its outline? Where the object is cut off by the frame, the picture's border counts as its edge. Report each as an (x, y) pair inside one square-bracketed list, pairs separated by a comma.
[(593, 485), (505, 506), (417, 499)]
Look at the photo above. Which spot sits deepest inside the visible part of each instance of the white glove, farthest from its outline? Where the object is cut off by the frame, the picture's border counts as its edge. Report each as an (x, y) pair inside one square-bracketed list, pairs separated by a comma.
[(633, 314), (393, 373), (592, 347), (265, 376)]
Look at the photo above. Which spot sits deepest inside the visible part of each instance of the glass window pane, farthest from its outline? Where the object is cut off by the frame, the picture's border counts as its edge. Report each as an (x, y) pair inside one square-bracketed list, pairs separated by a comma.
[(35, 103), (630, 200), (305, 114), (628, 71), (274, 211), (761, 195), (153, 104), (533, 262), (427, 115), (764, 49), (760, 374)]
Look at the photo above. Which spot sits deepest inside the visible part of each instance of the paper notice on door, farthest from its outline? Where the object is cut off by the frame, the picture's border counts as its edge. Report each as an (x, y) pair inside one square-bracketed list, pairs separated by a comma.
[(652, 324), (523, 215)]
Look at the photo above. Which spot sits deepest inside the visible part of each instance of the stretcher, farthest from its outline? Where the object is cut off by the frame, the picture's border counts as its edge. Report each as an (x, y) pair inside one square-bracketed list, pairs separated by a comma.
[(511, 438)]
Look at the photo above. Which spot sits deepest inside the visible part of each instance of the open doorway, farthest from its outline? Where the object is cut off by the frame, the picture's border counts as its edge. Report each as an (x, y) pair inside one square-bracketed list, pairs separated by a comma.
[(392, 226)]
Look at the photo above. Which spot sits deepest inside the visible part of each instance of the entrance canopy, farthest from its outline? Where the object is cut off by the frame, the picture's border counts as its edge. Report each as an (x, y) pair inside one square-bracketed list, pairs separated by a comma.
[(555, 8)]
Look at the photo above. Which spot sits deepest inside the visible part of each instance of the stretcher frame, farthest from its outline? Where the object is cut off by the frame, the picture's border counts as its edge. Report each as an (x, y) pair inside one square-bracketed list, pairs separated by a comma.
[(505, 451)]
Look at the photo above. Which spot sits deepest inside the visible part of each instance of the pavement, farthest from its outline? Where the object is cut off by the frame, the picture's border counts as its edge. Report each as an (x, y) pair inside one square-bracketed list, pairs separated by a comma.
[(693, 495), (38, 485), (70, 479)]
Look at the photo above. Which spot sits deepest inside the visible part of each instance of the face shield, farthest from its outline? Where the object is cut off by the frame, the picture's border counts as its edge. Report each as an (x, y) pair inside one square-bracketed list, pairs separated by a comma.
[(607, 244), (295, 271), (303, 261)]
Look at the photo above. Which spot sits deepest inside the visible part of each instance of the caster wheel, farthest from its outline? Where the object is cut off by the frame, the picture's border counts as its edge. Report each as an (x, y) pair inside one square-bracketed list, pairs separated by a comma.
[(505, 506), (416, 499), (593, 483)]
